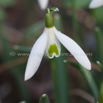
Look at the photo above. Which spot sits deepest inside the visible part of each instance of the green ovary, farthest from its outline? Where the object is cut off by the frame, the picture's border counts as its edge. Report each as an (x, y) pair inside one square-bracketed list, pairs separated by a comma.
[(53, 49)]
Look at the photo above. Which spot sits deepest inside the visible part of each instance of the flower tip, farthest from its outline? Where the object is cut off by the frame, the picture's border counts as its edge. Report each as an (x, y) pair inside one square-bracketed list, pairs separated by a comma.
[(86, 65), (91, 6), (27, 77), (89, 66)]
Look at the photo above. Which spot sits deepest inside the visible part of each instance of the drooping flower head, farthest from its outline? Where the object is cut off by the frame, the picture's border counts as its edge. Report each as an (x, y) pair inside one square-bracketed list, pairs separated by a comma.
[(49, 42), (95, 3)]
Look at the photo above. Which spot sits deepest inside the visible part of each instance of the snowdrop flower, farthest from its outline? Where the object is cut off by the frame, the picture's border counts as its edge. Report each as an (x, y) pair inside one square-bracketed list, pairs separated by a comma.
[(96, 3), (49, 42), (43, 4)]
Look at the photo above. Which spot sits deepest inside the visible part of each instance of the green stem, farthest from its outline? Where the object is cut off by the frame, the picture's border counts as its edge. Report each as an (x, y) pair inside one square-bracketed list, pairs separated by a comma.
[(59, 75), (59, 72)]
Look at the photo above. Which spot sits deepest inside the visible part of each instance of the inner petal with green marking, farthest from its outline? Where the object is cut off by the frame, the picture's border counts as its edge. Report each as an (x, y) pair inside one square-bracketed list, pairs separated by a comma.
[(53, 50), (53, 46)]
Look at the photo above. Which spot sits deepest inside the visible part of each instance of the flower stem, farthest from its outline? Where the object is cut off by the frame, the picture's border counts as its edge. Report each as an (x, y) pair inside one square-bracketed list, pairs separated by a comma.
[(60, 73)]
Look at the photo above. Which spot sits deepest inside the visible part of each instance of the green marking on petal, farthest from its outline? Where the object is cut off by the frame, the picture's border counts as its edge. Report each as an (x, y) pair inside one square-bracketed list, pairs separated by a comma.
[(53, 49)]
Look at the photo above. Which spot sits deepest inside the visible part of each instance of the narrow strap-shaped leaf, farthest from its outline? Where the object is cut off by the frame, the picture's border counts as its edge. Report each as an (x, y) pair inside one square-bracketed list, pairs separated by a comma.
[(101, 94), (101, 87), (91, 82), (99, 39), (89, 78)]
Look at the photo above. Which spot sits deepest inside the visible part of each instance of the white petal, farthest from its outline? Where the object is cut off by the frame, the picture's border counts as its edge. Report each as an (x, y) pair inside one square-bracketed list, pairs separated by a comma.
[(36, 55), (52, 44), (96, 3), (74, 49), (43, 4)]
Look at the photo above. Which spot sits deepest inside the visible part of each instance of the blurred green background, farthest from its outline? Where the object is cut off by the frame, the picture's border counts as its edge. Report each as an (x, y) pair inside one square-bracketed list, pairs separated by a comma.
[(62, 79)]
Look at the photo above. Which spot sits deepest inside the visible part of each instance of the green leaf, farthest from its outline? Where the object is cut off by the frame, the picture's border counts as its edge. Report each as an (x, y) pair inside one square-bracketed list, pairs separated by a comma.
[(74, 65), (89, 78), (44, 99), (101, 87), (101, 94), (99, 40), (91, 82)]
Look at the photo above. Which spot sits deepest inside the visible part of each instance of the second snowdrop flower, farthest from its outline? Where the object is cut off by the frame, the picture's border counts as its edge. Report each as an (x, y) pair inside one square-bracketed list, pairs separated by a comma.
[(96, 3), (43, 4), (49, 42)]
